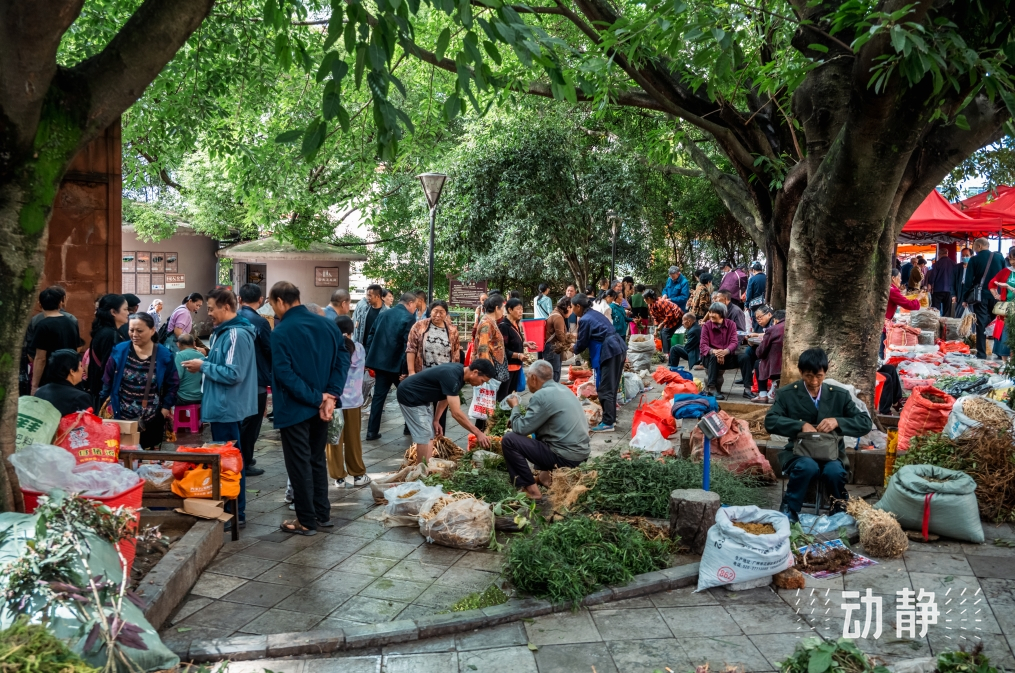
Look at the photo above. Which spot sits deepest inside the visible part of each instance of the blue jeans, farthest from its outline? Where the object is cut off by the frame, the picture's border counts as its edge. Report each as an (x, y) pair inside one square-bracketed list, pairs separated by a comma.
[(230, 432), (802, 469)]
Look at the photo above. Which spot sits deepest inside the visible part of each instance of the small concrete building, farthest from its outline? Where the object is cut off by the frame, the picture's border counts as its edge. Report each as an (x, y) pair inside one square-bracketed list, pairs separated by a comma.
[(317, 271), (170, 269)]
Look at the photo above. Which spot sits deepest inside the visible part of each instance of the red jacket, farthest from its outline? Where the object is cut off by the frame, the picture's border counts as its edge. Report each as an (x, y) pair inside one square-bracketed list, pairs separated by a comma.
[(1000, 283), (897, 299)]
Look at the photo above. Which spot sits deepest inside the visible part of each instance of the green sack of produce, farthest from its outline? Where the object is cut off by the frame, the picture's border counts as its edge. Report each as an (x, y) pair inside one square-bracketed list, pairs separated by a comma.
[(71, 626), (37, 422), (953, 509)]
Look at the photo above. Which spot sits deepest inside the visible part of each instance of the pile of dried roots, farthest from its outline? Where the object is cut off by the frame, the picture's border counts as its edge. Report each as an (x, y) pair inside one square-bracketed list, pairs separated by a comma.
[(880, 534)]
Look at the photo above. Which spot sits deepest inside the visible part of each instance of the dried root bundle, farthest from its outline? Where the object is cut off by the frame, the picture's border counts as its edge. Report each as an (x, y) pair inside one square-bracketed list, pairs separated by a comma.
[(880, 534), (443, 448), (443, 502), (569, 483)]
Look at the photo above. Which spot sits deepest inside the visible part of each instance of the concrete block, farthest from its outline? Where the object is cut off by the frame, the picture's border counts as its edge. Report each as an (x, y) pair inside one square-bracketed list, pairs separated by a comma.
[(453, 622), (515, 609), (384, 633), (236, 648), (313, 642), (646, 583)]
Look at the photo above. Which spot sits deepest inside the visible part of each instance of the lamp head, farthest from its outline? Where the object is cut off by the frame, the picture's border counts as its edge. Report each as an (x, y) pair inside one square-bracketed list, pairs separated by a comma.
[(433, 185)]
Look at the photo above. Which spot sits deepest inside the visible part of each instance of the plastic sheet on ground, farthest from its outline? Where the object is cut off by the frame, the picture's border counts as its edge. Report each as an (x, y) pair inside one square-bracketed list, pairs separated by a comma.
[(816, 525), (44, 467)]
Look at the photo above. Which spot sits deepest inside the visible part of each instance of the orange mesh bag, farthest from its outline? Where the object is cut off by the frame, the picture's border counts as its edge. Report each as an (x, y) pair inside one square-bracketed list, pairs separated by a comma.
[(88, 438), (737, 449), (926, 411), (658, 414), (683, 386)]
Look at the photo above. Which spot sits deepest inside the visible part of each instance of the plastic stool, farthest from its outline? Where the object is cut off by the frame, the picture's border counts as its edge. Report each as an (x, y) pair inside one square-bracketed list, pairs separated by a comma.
[(187, 416)]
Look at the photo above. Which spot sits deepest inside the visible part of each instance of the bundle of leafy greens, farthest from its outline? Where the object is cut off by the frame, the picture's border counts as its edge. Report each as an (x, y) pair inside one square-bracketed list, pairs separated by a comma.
[(570, 559), (641, 485)]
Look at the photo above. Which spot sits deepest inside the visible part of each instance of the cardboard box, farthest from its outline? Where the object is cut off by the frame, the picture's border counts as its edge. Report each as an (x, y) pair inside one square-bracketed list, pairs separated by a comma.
[(130, 435), (205, 509)]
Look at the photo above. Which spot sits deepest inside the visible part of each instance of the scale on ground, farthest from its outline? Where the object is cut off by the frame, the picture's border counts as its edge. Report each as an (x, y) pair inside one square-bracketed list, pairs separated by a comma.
[(712, 427)]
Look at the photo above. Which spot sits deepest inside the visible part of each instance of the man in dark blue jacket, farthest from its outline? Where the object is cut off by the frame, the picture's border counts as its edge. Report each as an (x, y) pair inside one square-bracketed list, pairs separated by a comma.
[(981, 268), (309, 363), (940, 280), (251, 299), (389, 335), (959, 280), (607, 352)]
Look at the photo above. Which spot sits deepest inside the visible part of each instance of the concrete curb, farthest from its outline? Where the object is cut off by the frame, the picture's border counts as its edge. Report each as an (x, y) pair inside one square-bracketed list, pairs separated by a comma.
[(165, 585), (246, 648)]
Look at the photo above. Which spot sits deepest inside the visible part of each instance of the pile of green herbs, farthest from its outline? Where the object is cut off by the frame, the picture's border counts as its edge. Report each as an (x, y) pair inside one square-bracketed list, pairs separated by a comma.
[(486, 483), (813, 655), (26, 648), (959, 661), (641, 485), (567, 560), (935, 448), (486, 599), (498, 424)]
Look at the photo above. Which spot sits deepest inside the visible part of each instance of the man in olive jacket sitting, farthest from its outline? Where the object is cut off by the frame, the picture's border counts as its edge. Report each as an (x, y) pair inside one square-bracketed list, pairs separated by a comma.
[(810, 406)]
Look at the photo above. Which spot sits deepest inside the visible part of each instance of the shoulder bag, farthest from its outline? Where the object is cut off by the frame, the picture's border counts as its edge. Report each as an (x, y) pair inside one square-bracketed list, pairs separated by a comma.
[(821, 446), (976, 294), (147, 386)]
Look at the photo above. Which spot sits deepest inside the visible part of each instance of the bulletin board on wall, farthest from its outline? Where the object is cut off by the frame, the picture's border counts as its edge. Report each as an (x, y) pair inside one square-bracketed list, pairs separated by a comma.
[(144, 272)]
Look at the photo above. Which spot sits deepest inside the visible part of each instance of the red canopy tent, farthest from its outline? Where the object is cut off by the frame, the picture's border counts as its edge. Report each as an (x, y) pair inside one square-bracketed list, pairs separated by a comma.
[(983, 197), (1002, 207), (936, 216)]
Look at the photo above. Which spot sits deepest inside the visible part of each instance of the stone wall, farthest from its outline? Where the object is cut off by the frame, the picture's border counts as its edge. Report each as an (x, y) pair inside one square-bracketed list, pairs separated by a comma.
[(83, 254)]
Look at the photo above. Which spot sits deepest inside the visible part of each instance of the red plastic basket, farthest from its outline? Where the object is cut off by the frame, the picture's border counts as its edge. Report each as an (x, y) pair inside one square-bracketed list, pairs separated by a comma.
[(129, 498)]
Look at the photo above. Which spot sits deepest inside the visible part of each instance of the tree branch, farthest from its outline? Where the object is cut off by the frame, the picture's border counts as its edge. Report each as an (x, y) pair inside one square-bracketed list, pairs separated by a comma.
[(732, 191), (163, 173), (117, 76), (30, 34)]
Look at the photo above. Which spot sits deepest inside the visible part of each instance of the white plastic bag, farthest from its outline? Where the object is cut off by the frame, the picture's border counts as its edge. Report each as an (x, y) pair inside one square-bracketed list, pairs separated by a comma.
[(648, 438), (816, 525), (406, 499), (734, 555), (484, 399), (958, 423), (44, 467), (479, 457), (463, 524), (157, 477)]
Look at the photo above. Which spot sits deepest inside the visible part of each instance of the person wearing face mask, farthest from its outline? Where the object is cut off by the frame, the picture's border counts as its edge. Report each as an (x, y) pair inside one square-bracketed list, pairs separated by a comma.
[(939, 280), (59, 387), (958, 280)]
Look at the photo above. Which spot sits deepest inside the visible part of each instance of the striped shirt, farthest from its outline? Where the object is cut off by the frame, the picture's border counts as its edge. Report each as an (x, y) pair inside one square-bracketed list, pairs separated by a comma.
[(666, 313)]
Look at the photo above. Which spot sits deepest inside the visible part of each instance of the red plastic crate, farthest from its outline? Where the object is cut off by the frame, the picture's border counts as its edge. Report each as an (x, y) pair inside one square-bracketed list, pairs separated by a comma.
[(129, 498)]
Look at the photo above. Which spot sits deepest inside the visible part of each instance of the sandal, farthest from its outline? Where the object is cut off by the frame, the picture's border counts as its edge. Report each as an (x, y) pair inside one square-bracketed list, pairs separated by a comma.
[(296, 528)]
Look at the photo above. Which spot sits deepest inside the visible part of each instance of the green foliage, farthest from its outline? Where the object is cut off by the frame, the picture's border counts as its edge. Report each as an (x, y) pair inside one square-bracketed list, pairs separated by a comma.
[(641, 486), (490, 485), (151, 223), (26, 648), (570, 559), (813, 655), (932, 449), (489, 597), (965, 662)]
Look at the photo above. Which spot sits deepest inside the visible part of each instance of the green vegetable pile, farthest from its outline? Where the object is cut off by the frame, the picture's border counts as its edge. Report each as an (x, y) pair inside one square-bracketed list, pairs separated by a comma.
[(933, 449), (32, 649), (813, 655), (498, 424), (488, 483), (641, 486), (965, 662), (492, 596), (567, 560)]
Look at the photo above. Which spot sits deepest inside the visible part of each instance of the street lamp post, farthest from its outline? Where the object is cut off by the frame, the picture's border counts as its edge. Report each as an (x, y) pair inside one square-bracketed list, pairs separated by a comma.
[(433, 185), (614, 220)]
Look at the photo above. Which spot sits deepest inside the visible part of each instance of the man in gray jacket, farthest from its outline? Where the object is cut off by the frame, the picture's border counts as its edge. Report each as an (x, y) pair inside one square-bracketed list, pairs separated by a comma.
[(556, 417), (229, 386)]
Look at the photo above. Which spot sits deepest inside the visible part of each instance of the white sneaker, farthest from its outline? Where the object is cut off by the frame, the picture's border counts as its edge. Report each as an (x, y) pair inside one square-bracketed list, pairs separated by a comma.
[(292, 507), (341, 483), (289, 494), (362, 480)]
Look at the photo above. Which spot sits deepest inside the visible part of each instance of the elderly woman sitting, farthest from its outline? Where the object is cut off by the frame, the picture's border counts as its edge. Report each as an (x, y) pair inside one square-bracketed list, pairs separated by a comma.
[(718, 347)]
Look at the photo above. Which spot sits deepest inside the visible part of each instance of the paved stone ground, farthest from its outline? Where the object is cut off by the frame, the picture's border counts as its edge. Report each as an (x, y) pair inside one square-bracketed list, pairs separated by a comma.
[(360, 572)]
